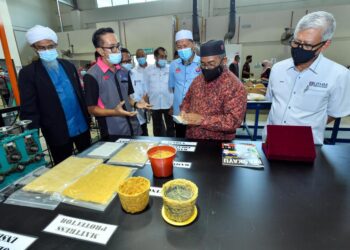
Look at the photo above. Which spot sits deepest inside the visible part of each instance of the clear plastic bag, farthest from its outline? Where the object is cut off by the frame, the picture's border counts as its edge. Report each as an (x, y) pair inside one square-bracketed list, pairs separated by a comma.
[(62, 175), (28, 199), (13, 195), (98, 188), (133, 154), (102, 150)]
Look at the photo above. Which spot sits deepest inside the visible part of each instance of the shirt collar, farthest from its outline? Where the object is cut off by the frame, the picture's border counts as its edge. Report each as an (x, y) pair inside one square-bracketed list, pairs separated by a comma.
[(104, 67), (196, 59), (314, 67)]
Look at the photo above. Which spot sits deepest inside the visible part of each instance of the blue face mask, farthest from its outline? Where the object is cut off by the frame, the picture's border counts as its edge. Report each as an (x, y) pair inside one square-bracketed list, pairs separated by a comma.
[(83, 72), (141, 60), (115, 58), (127, 66), (48, 55), (185, 54), (162, 63)]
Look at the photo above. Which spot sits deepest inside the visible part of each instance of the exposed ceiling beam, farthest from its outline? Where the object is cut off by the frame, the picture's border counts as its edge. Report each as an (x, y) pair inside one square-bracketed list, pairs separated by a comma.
[(67, 2)]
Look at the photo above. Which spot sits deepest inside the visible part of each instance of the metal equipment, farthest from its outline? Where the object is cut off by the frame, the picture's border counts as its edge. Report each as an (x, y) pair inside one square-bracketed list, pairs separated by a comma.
[(20, 152)]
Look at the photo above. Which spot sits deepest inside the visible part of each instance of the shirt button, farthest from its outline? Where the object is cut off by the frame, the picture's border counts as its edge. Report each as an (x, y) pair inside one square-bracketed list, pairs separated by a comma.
[(294, 92), (288, 107), (284, 122)]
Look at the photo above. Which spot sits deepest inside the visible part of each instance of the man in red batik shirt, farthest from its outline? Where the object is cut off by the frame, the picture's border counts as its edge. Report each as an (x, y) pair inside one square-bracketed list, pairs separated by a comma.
[(216, 102)]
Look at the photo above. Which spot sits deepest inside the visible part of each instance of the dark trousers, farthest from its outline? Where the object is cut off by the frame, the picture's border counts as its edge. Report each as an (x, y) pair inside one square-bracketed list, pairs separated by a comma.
[(144, 129), (180, 130), (157, 118), (61, 152)]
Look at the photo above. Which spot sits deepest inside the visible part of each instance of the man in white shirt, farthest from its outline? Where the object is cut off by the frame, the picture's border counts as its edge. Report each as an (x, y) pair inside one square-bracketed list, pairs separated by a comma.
[(160, 96), (309, 89), (138, 82)]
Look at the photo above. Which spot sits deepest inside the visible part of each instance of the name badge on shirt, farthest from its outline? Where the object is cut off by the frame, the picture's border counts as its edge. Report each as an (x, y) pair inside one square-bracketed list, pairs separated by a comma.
[(318, 84)]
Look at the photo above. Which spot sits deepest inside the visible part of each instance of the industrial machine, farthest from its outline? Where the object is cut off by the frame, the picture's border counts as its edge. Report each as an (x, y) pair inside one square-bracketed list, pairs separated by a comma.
[(20, 152)]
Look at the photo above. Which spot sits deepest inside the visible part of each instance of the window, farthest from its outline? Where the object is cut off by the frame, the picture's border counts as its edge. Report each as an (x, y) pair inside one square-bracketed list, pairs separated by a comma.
[(110, 3), (120, 2), (137, 1), (104, 3)]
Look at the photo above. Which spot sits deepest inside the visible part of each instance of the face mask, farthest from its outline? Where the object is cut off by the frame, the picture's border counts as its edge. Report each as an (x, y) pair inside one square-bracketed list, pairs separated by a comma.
[(141, 60), (115, 58), (162, 63), (185, 54), (212, 74), (127, 66), (301, 56), (83, 72), (48, 55)]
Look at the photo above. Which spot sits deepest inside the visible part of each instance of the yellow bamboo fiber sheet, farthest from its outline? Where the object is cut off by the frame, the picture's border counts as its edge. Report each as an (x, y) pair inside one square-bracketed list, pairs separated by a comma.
[(62, 175), (99, 185), (134, 153)]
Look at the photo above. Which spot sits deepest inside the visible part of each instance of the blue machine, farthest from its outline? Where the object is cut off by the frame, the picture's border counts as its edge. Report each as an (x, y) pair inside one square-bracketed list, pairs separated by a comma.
[(20, 152)]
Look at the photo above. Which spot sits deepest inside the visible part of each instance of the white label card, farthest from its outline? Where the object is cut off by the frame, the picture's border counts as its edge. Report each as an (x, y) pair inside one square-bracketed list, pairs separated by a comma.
[(126, 140), (185, 148), (81, 229), (182, 164), (155, 191), (188, 143), (176, 164), (12, 241), (123, 140)]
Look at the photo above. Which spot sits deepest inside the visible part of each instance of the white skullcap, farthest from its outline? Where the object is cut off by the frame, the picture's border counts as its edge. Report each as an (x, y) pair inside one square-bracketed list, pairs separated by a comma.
[(38, 33), (183, 34)]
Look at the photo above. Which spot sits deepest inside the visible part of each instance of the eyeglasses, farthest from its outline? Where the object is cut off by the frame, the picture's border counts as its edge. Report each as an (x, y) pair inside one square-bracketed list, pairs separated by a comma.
[(210, 65), (48, 47), (113, 48), (305, 46)]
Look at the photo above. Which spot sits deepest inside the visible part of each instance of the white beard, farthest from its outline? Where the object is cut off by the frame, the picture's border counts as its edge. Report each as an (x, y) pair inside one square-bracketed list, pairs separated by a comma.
[(51, 65)]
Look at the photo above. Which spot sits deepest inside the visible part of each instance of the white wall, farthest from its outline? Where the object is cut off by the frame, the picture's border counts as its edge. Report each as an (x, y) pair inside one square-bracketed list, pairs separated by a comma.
[(132, 11), (24, 15), (27, 13), (11, 41), (263, 22), (141, 33), (262, 39), (133, 34)]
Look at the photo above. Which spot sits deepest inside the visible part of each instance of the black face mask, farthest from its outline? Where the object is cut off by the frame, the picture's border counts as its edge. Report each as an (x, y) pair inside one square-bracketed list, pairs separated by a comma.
[(212, 74), (301, 56)]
